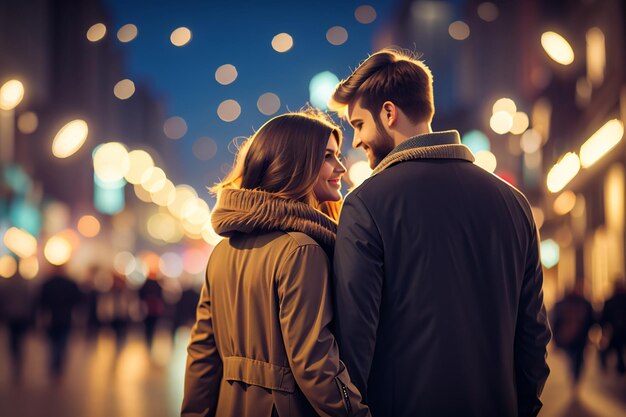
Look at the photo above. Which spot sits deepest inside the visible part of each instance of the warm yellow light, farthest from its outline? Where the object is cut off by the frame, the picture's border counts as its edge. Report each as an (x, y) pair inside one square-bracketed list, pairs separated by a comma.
[(209, 235), (563, 172), (8, 266), (57, 250), (520, 123), (337, 35), (163, 226), (124, 263), (140, 162), (229, 110), (111, 162), (282, 42), (165, 195), (602, 141), (459, 30), (501, 122), (596, 56), (359, 172), (504, 104), (127, 33), (564, 203), (70, 138), (538, 216), (124, 89), (153, 180), (29, 267), (175, 127), (96, 32), (486, 160), (180, 36), (20, 242), (226, 74), (142, 194), (184, 193), (488, 11), (88, 226), (27, 122), (530, 141), (11, 94), (557, 48), (196, 212)]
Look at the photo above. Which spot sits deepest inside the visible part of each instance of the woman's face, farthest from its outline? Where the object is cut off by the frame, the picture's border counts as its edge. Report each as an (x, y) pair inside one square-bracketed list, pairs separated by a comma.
[(328, 183)]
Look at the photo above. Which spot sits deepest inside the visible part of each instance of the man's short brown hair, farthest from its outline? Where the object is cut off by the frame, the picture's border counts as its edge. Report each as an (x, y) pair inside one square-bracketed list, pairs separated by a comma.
[(389, 75)]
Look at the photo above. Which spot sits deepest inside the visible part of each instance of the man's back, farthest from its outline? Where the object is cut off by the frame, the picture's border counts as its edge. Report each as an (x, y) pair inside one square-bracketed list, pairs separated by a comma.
[(437, 267)]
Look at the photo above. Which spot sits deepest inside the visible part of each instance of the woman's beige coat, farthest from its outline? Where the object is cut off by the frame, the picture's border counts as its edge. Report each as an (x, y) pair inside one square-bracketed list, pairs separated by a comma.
[(262, 343)]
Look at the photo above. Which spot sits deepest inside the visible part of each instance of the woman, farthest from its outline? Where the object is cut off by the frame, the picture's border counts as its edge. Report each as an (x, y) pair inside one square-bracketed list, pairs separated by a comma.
[(261, 345)]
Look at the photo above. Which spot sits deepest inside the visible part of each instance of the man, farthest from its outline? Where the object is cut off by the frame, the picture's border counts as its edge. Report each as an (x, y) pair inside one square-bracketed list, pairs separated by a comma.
[(438, 281)]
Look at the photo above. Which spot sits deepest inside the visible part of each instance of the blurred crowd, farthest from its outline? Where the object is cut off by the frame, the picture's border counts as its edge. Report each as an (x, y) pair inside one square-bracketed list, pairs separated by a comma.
[(575, 324), (60, 305)]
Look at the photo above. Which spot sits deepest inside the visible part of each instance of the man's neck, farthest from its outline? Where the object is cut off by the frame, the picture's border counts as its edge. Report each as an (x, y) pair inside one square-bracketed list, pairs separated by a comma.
[(402, 135)]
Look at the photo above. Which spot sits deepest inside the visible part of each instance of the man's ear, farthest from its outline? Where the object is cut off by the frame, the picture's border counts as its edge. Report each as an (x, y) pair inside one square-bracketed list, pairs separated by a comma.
[(389, 113)]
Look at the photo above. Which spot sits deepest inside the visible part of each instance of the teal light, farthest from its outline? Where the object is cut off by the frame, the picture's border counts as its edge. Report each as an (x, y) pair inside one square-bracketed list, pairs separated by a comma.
[(477, 141), (17, 179), (25, 215), (109, 196), (549, 253), (321, 88)]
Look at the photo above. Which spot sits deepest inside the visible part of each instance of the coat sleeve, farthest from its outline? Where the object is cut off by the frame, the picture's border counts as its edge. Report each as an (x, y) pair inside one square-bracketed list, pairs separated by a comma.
[(358, 283), (203, 371), (305, 315), (532, 335)]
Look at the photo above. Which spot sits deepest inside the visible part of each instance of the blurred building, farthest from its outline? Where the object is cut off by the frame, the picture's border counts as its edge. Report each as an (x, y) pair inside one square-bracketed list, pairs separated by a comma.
[(481, 52)]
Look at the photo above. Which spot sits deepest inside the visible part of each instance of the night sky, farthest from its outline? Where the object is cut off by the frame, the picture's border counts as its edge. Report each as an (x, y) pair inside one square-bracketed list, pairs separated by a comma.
[(184, 77)]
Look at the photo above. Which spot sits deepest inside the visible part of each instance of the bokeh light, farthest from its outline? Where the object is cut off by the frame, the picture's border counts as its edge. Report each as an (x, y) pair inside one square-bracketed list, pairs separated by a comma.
[(337, 35), (268, 103), (153, 180), (487, 11), (175, 127), (204, 148), (602, 141), (70, 138), (194, 261), (476, 140), (124, 89), (28, 122), (359, 172), (486, 160), (226, 74), (140, 162), (504, 104), (127, 33), (501, 122), (365, 14), (229, 110), (321, 88), (111, 162), (8, 266), (564, 203), (29, 267), (530, 141), (124, 263), (57, 250), (165, 195), (459, 30), (557, 48), (180, 36), (184, 193), (88, 226), (520, 123), (171, 265), (282, 42), (563, 172), (20, 242), (96, 32), (549, 253), (11, 94)]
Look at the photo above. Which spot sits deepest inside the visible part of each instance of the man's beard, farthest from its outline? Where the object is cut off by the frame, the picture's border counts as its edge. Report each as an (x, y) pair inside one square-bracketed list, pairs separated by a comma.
[(381, 148)]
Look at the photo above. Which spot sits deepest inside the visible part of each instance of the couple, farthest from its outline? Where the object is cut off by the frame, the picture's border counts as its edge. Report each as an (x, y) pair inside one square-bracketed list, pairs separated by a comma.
[(435, 305)]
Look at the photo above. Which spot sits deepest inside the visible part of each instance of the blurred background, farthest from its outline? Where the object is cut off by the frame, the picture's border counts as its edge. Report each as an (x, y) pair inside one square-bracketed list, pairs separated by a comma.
[(116, 115)]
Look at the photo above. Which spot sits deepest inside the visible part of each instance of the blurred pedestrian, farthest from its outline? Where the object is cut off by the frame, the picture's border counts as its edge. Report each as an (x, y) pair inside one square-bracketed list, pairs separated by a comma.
[(114, 307), (16, 302), (153, 305), (572, 317), (58, 299), (438, 282), (613, 321)]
